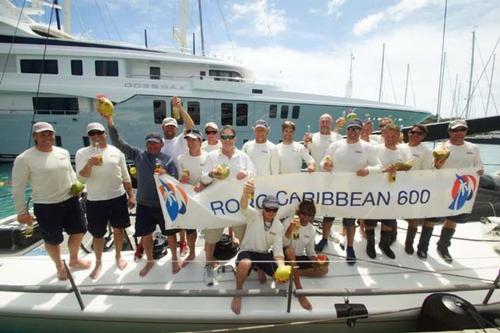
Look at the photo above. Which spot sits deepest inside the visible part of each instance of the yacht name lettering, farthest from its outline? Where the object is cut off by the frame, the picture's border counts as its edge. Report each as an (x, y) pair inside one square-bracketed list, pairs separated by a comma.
[(153, 86)]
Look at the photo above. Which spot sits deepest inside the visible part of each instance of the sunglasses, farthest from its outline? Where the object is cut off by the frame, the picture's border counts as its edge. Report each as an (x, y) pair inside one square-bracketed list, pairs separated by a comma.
[(354, 129), (227, 137), (460, 129), (92, 133), (271, 210), (416, 132), (210, 132)]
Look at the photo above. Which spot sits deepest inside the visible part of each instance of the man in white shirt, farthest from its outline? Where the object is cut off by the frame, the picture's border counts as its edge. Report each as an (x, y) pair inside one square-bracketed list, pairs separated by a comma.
[(463, 154), (421, 159), (291, 153), (48, 171), (261, 151), (262, 245), (212, 142), (351, 155), (298, 244), (317, 143), (240, 167), (104, 170)]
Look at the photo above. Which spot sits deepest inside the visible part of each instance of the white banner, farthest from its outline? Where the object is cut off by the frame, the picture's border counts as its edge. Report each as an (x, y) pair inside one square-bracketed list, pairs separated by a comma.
[(414, 194)]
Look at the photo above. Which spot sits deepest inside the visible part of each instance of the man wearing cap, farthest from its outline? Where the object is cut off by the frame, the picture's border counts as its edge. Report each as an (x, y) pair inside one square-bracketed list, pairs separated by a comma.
[(240, 167), (292, 153), (148, 211), (261, 151), (317, 143), (109, 192), (173, 144), (351, 155), (212, 142), (463, 154), (48, 170), (262, 245)]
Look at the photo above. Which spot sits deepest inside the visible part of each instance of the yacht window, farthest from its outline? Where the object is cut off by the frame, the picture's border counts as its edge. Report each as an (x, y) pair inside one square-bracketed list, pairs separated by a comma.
[(154, 73), (58, 141), (273, 110), (106, 68), (36, 66), (241, 114), (226, 114), (284, 111), (56, 105), (223, 75), (202, 74), (194, 111), (295, 112), (159, 111), (76, 67)]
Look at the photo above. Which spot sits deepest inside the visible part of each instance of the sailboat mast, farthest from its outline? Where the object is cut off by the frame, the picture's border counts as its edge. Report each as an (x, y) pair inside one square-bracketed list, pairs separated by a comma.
[(201, 29), (381, 74), (441, 67), (489, 88), (469, 97), (67, 16), (348, 87), (406, 84)]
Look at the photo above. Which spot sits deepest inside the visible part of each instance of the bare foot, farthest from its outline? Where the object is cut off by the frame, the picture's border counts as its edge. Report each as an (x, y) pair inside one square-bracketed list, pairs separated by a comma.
[(305, 303), (236, 305), (121, 263), (79, 264), (188, 260), (62, 274), (96, 271), (149, 265), (175, 267), (262, 276)]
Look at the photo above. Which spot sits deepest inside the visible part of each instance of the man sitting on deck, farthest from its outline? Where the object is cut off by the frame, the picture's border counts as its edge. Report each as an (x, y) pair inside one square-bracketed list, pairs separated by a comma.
[(264, 232)]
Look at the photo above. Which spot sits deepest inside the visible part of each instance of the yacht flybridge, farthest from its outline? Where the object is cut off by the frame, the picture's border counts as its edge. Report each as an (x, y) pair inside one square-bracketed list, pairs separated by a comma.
[(46, 74)]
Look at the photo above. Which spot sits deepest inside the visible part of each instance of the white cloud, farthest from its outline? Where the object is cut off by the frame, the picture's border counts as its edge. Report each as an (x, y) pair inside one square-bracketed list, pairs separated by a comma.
[(267, 21), (333, 7), (367, 24)]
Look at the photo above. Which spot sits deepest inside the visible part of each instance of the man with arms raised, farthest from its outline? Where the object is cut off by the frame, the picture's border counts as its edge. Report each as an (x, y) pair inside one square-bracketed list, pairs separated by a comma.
[(462, 154), (317, 144), (351, 155), (261, 151), (106, 176), (48, 170)]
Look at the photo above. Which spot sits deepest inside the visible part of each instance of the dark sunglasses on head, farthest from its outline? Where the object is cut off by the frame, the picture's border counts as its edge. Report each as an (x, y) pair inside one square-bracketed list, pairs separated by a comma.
[(416, 132), (227, 136), (92, 133), (460, 129), (270, 210), (210, 132)]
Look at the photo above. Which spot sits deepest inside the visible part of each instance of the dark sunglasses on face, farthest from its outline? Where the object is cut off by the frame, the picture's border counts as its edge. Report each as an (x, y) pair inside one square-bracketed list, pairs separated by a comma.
[(271, 210), (210, 132), (227, 136), (416, 132), (460, 129), (92, 133)]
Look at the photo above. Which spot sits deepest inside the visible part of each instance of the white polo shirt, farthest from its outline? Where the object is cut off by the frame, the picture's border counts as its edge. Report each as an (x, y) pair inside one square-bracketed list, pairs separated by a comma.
[(257, 239)]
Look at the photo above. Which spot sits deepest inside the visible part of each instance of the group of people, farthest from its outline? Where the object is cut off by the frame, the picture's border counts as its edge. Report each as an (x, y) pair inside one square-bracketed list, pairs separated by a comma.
[(267, 243)]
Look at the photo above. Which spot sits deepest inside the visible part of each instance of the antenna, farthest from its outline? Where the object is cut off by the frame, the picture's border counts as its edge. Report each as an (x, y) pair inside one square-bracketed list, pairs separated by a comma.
[(348, 87), (469, 97), (381, 74)]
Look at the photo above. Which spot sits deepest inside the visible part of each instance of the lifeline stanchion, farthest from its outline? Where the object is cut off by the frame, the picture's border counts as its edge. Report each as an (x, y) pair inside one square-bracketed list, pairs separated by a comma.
[(290, 291), (74, 286), (492, 289)]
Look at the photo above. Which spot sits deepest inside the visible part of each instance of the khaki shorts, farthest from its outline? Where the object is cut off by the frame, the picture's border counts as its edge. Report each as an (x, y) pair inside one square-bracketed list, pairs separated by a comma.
[(212, 236)]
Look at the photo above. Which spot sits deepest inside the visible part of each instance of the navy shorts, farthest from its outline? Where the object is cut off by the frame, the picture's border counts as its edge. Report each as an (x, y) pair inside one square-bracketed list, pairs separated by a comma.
[(264, 261), (146, 220), (304, 262), (171, 232), (348, 222), (389, 223), (462, 218), (327, 219), (100, 212), (65, 216)]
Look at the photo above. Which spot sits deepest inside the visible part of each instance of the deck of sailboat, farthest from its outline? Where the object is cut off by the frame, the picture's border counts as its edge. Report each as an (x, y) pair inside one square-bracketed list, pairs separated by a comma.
[(475, 263)]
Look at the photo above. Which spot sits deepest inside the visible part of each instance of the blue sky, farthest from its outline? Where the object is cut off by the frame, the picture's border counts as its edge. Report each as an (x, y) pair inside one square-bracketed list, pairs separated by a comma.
[(305, 45)]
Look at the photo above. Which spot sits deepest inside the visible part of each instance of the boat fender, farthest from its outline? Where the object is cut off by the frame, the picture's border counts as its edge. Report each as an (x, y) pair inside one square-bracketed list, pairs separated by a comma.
[(445, 312), (226, 248), (159, 245), (490, 182), (351, 311)]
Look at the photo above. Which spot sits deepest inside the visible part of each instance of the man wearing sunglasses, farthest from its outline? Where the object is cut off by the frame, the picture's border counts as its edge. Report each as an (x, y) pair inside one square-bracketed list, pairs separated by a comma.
[(148, 212), (421, 159), (351, 155), (48, 170), (261, 151), (109, 192), (240, 167), (463, 154), (262, 245), (212, 142)]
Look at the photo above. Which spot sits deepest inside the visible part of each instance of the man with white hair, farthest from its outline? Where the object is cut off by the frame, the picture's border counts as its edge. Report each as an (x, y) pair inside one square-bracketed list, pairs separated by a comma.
[(261, 151), (317, 143), (109, 192)]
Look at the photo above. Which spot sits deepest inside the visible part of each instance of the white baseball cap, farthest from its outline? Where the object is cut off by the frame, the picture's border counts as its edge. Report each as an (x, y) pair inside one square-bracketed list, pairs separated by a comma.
[(42, 126), (95, 127), (212, 125), (169, 121)]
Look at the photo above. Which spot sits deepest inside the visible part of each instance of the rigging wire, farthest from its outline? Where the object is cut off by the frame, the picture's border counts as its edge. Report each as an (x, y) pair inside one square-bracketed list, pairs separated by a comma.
[(112, 20), (80, 21), (12, 42), (226, 26), (102, 19)]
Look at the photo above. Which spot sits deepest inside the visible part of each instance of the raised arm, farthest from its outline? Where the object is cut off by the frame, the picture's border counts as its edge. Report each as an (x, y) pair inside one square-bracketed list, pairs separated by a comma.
[(130, 151), (186, 118)]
